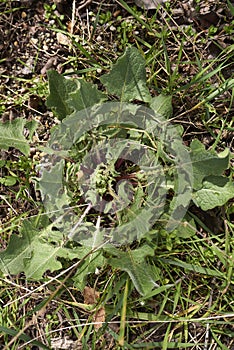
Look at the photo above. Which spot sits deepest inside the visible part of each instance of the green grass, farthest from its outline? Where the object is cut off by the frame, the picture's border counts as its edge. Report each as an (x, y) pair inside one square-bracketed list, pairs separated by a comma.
[(192, 306)]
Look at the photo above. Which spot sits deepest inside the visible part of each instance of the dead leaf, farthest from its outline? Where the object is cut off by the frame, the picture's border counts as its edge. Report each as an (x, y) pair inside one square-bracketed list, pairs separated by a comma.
[(90, 297), (99, 317)]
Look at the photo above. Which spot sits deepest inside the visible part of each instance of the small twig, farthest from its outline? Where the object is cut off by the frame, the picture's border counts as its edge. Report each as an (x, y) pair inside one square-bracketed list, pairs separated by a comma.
[(207, 334), (15, 284), (73, 16), (3, 198), (73, 231), (84, 4), (231, 315)]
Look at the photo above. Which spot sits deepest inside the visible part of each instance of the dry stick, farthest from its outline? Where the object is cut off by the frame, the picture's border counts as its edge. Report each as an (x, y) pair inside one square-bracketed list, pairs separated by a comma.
[(207, 333), (84, 4), (43, 309), (3, 198), (73, 231), (73, 16)]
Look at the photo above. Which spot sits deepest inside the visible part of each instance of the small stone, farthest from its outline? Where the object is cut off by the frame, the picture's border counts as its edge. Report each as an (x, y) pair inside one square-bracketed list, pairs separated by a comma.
[(23, 15), (34, 41), (63, 39), (28, 68)]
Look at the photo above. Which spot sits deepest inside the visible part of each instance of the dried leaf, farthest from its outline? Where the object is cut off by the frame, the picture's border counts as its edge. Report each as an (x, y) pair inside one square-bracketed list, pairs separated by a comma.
[(99, 318), (90, 297)]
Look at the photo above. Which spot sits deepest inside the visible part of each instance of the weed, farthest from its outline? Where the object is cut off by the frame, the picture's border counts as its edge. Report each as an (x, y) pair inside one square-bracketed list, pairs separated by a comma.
[(162, 289)]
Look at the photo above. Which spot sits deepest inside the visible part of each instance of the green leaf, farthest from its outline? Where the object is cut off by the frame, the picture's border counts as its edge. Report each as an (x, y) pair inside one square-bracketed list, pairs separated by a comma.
[(31, 125), (133, 262), (60, 88), (90, 265), (11, 135), (8, 180), (127, 78), (32, 253), (192, 267), (162, 105), (51, 181), (216, 191), (86, 95), (186, 228), (207, 163)]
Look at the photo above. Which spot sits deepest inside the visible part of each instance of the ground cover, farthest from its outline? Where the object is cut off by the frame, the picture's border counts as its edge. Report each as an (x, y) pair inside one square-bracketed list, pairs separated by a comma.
[(162, 288)]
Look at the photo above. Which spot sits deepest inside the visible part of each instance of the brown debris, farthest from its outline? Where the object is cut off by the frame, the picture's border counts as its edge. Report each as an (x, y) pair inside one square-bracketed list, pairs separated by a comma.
[(90, 297)]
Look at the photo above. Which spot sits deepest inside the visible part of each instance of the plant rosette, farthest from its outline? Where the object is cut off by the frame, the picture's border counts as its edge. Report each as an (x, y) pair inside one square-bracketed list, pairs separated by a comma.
[(116, 171)]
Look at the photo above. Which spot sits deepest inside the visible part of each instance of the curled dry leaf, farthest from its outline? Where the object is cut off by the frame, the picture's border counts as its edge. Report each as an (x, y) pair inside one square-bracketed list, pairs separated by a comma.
[(90, 297), (99, 318)]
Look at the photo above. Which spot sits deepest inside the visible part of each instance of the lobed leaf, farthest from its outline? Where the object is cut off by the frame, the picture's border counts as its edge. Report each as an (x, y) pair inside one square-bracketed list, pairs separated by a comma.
[(207, 163), (133, 262), (11, 135), (127, 77), (31, 252)]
